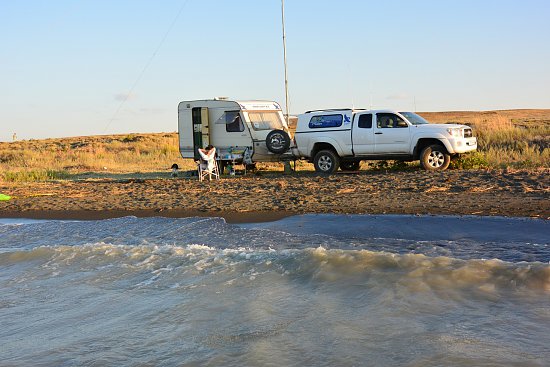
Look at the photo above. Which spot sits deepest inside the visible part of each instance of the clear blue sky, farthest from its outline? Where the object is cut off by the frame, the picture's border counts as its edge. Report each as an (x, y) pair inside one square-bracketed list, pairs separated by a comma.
[(67, 67)]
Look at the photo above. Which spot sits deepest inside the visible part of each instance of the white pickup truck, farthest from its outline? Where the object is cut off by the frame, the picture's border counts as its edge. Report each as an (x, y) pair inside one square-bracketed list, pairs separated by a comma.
[(342, 138)]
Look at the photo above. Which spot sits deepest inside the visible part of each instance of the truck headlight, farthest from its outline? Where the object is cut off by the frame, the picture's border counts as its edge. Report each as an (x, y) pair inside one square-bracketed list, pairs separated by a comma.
[(455, 132)]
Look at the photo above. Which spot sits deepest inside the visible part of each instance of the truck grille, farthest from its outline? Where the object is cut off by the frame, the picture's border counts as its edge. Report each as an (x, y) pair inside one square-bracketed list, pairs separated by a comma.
[(468, 133)]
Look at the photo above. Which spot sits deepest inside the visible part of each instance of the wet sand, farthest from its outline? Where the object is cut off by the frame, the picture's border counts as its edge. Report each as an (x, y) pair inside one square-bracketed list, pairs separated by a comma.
[(271, 196)]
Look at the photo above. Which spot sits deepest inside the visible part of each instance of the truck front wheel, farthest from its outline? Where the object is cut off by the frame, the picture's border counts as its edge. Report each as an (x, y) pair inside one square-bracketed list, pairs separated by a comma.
[(435, 158), (326, 161)]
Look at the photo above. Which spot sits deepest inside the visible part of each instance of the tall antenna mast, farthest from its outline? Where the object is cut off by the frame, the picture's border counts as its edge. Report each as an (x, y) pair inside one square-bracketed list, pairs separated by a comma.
[(284, 55)]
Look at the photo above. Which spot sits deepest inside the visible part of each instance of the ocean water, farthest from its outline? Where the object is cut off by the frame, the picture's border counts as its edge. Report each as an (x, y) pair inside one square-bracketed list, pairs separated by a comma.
[(310, 290)]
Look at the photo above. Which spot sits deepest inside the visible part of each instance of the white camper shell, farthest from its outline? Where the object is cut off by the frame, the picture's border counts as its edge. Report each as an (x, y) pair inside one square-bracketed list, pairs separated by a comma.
[(242, 131)]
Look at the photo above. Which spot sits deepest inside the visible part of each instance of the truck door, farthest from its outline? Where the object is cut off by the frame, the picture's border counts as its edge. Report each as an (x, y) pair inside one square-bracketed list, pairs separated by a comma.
[(362, 134), (391, 134)]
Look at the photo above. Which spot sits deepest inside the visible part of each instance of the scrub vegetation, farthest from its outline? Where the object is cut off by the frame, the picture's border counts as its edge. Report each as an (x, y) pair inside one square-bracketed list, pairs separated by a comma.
[(514, 139), (506, 139), (89, 156)]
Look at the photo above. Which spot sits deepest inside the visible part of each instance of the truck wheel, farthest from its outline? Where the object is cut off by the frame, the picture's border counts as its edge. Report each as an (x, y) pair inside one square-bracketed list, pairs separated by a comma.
[(326, 161), (349, 166), (277, 141), (435, 158)]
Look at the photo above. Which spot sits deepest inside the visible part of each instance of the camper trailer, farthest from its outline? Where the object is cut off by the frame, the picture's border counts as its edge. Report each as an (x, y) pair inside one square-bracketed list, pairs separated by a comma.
[(242, 131)]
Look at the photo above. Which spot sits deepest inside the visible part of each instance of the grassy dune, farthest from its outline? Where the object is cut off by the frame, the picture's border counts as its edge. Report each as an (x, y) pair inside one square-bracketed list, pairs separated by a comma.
[(507, 139)]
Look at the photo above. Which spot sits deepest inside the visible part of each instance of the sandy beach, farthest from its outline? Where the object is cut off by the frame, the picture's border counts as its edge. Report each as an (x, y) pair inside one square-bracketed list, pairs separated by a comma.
[(271, 196)]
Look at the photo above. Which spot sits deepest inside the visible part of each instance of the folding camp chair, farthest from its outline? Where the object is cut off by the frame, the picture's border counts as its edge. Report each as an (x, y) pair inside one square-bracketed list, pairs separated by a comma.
[(203, 170)]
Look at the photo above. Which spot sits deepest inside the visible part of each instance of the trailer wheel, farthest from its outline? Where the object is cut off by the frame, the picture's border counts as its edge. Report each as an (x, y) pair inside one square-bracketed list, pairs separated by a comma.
[(349, 166), (435, 158), (277, 141), (326, 161)]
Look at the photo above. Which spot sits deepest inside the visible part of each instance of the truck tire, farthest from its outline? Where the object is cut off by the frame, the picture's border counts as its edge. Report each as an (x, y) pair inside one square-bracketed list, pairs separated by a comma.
[(277, 141), (349, 166), (435, 158), (326, 161)]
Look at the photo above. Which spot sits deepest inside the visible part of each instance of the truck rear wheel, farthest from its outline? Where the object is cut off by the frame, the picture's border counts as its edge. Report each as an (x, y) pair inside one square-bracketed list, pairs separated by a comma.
[(435, 158), (326, 161), (349, 166)]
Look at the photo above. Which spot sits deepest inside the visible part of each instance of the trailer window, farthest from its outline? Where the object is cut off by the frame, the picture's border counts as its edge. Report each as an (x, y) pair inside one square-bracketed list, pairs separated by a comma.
[(233, 122), (266, 120), (325, 121)]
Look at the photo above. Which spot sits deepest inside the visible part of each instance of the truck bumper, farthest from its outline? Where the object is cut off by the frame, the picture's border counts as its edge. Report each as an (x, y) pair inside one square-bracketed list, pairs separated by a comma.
[(462, 145)]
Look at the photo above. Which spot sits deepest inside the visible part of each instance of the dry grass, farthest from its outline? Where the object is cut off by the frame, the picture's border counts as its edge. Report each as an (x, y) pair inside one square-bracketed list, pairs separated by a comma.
[(59, 158), (507, 139)]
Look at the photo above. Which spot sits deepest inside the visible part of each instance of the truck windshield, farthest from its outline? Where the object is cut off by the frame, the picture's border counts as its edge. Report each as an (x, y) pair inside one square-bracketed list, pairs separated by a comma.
[(414, 118), (265, 120)]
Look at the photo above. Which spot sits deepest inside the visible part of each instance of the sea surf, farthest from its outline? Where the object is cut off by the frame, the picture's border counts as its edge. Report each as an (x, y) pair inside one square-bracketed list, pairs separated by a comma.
[(322, 290)]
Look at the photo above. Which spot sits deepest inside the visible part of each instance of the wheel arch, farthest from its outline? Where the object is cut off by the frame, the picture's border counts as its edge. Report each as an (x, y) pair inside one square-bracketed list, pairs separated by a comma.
[(318, 146), (424, 142)]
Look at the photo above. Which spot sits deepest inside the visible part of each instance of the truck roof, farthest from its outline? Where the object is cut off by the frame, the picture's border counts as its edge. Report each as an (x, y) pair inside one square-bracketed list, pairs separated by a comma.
[(352, 110), (336, 109)]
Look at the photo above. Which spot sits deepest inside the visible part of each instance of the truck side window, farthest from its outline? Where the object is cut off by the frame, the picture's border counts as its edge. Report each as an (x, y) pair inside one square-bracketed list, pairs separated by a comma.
[(233, 122), (365, 121), (325, 121), (389, 120)]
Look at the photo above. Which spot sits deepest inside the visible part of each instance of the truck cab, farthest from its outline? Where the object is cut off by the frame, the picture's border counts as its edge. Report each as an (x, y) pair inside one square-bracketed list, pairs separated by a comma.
[(341, 138)]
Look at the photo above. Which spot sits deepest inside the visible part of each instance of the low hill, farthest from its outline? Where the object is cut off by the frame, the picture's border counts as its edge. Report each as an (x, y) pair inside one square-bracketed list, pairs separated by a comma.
[(504, 117)]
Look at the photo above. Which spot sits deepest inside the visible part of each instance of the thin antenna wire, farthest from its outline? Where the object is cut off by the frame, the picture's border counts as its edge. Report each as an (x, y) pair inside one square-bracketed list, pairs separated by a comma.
[(370, 93), (146, 66), (284, 55)]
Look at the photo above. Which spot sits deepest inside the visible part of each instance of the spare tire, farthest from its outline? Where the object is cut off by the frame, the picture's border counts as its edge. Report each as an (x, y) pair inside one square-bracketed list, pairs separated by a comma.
[(277, 141)]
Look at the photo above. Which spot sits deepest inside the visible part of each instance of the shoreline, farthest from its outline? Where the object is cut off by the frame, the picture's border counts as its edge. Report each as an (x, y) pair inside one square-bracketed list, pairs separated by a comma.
[(85, 215), (230, 217), (264, 198)]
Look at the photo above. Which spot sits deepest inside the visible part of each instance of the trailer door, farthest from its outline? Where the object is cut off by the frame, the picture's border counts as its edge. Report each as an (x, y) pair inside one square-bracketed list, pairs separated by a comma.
[(201, 129)]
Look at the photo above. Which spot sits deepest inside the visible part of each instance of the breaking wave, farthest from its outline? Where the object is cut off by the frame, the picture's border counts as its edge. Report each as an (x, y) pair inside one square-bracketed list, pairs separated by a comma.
[(164, 265), (306, 290)]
